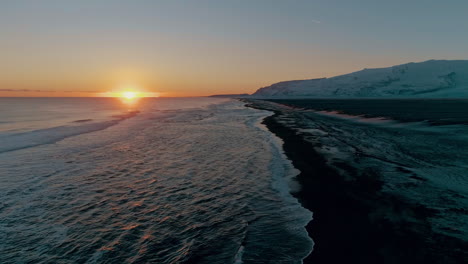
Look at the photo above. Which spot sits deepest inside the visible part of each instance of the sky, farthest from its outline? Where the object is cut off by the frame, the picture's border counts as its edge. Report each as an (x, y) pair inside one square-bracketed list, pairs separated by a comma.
[(203, 47)]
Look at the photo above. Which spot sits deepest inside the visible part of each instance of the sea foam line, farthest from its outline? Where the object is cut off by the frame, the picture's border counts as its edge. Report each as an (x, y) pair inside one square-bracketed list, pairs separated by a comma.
[(283, 173), (54, 134)]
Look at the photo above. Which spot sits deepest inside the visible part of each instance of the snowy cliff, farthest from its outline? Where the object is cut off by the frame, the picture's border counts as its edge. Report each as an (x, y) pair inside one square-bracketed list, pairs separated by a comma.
[(434, 78)]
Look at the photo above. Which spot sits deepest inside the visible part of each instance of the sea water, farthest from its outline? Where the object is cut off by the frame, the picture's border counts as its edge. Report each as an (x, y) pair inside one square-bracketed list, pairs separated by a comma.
[(159, 180)]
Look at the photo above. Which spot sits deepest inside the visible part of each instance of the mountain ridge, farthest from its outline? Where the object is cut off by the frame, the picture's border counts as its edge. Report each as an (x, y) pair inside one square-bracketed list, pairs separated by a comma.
[(428, 79)]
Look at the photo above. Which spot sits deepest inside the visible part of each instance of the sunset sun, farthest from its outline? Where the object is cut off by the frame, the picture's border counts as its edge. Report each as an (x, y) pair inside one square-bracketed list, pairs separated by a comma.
[(129, 94)]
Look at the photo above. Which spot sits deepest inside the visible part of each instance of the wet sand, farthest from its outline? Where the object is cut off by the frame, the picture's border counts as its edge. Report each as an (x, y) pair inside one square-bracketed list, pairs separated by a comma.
[(354, 222)]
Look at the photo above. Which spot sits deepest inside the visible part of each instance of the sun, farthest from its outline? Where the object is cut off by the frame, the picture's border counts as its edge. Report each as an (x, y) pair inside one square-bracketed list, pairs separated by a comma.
[(129, 94)]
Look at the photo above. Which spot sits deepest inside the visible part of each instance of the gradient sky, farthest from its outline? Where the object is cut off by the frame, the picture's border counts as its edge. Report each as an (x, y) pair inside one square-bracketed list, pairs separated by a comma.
[(186, 48)]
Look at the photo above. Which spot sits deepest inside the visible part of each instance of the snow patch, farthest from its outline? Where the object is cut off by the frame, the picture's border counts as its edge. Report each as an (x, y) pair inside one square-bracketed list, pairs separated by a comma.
[(434, 78)]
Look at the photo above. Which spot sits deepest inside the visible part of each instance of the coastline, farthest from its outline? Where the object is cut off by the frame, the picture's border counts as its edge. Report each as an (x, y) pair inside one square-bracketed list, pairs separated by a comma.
[(351, 218)]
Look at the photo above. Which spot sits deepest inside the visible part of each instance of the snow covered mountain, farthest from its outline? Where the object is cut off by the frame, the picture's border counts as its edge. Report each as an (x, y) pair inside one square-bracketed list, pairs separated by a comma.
[(434, 78)]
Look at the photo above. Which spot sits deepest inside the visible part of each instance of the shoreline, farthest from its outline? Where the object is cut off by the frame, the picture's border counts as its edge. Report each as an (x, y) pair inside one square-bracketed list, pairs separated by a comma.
[(351, 218)]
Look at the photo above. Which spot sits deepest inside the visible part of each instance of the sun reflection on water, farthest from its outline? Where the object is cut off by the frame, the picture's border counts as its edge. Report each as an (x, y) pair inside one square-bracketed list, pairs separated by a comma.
[(129, 101)]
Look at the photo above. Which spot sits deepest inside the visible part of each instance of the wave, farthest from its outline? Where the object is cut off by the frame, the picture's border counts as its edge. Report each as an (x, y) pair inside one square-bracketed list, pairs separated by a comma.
[(12, 142), (206, 185), (286, 222), (82, 120)]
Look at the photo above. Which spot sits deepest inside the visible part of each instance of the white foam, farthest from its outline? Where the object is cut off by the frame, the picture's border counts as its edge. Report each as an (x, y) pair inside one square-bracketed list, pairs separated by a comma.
[(48, 135), (238, 257), (216, 157), (284, 180)]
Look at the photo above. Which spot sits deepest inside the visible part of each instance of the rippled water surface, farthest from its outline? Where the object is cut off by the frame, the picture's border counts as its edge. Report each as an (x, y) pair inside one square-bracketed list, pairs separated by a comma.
[(205, 183)]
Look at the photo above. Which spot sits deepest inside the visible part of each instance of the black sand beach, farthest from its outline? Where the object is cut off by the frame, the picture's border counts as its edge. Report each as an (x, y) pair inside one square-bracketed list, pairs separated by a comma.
[(353, 221)]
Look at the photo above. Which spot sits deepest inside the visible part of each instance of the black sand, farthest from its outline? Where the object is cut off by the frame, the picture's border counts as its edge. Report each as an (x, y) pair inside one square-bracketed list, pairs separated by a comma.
[(440, 112), (350, 222)]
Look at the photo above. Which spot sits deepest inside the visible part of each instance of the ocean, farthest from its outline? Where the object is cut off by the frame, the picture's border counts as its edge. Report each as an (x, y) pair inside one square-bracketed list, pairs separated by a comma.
[(158, 180), (202, 180)]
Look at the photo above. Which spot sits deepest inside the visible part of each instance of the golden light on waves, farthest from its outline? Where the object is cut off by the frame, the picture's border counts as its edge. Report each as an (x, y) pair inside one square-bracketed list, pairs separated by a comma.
[(129, 94)]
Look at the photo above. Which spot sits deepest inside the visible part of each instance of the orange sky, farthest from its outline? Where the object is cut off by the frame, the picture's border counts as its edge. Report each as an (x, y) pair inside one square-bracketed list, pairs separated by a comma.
[(63, 74), (198, 48)]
